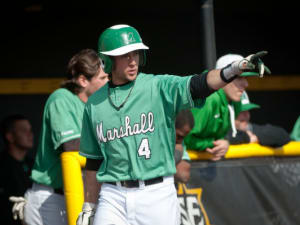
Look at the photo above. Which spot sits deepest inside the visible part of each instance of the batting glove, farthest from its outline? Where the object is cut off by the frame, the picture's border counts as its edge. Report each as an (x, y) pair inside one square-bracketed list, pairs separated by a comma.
[(18, 207), (251, 63), (86, 217)]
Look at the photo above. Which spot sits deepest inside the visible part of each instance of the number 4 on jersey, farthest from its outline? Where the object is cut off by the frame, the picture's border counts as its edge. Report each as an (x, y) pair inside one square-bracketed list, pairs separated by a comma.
[(144, 149)]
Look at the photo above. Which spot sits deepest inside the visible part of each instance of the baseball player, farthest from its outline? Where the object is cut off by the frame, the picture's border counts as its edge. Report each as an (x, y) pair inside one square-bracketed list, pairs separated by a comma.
[(128, 132), (60, 132)]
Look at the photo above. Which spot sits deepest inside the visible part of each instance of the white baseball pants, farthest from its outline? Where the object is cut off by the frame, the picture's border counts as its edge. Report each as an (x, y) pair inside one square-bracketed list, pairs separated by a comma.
[(44, 207), (154, 204)]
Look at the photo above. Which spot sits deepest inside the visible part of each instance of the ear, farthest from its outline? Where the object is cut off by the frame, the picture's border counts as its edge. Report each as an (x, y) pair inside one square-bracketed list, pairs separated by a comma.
[(82, 81)]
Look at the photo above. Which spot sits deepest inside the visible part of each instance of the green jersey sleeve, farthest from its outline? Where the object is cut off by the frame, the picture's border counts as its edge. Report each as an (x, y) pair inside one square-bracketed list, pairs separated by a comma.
[(89, 146), (176, 93), (63, 121)]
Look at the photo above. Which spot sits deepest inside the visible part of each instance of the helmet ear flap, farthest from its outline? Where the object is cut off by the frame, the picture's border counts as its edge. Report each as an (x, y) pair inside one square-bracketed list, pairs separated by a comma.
[(107, 62), (142, 55)]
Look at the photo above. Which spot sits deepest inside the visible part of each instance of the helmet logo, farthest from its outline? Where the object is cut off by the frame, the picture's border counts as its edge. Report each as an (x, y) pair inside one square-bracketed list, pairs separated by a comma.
[(131, 37)]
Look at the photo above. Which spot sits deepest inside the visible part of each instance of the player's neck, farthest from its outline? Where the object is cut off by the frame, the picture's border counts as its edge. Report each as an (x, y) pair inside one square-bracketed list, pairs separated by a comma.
[(119, 80), (83, 96)]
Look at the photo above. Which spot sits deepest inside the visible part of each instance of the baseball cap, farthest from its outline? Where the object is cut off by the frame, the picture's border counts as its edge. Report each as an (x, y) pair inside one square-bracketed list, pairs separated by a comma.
[(229, 58), (246, 104)]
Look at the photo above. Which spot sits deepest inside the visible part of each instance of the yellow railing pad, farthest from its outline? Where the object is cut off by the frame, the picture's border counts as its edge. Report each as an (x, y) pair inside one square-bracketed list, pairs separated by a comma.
[(251, 150)]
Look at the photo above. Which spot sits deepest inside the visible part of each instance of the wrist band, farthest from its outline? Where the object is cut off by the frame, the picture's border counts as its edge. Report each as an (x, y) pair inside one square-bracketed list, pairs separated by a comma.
[(227, 74)]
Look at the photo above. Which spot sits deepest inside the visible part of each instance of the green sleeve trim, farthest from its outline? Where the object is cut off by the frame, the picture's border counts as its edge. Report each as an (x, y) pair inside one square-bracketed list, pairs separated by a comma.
[(90, 156)]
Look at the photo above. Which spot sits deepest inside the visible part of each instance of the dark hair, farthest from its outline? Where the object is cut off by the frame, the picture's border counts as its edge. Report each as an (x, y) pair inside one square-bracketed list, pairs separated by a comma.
[(7, 124), (184, 117), (86, 63)]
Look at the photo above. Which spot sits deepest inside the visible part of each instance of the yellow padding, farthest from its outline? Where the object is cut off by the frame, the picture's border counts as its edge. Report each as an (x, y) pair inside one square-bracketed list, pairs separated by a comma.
[(251, 150), (13, 86), (73, 184)]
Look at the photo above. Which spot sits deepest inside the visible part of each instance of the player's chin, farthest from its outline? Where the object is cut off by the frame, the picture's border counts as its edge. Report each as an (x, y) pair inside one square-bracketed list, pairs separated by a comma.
[(237, 97), (131, 76)]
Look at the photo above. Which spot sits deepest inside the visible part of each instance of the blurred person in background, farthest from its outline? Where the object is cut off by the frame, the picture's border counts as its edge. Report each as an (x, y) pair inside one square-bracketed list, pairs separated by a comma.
[(248, 132), (213, 121), (45, 201), (15, 163)]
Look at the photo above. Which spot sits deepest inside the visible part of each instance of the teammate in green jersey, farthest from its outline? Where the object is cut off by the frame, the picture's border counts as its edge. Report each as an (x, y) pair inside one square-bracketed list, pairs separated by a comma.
[(128, 132), (213, 121), (60, 132)]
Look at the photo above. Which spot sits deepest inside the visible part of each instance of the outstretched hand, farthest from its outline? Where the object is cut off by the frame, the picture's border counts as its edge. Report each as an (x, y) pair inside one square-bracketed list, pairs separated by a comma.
[(251, 63), (254, 63)]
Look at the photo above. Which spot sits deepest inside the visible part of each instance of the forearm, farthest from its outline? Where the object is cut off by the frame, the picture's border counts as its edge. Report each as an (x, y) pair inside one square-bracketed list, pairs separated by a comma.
[(199, 87), (205, 84), (214, 80), (178, 153), (91, 194), (91, 187), (182, 171)]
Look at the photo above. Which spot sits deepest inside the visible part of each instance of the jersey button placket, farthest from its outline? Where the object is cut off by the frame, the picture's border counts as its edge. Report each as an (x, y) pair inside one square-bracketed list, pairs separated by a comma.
[(115, 95)]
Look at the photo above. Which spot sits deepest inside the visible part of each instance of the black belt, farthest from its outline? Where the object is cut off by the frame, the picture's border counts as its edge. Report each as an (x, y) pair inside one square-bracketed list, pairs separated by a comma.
[(59, 191), (135, 183)]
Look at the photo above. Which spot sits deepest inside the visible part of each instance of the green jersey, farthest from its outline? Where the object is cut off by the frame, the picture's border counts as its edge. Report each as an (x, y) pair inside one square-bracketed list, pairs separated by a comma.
[(136, 141), (212, 122), (62, 120), (295, 135)]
